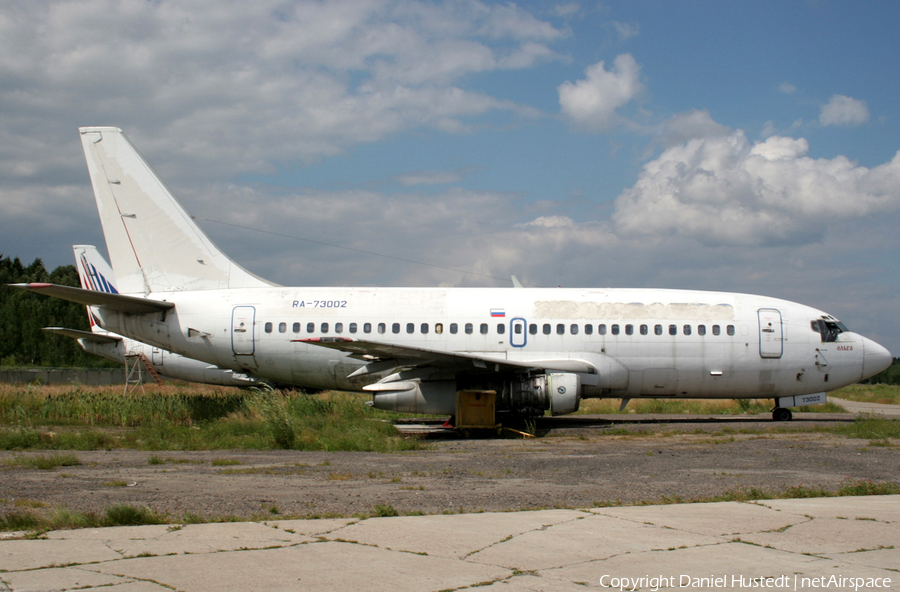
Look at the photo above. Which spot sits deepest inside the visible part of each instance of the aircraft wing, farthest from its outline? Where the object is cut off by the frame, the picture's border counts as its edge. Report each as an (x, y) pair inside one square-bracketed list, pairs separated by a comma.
[(86, 335), (384, 356), (116, 302)]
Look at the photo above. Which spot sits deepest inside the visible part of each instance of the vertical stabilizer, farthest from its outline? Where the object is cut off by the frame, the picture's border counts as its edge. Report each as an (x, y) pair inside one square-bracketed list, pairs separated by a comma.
[(94, 273), (153, 244)]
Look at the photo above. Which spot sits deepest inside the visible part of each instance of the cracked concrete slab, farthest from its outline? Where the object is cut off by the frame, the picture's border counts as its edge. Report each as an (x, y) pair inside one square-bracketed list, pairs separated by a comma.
[(714, 519), (59, 578), (313, 528), (132, 541), (34, 554), (549, 551), (881, 507), (312, 566), (456, 536), (829, 535), (589, 538)]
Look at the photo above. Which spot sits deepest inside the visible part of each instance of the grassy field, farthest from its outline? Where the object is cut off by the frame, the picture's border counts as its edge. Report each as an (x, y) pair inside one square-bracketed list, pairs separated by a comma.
[(191, 418), (196, 417)]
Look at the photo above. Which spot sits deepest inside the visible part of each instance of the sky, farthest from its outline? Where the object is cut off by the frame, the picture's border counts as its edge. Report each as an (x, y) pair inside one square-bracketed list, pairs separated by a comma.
[(735, 146)]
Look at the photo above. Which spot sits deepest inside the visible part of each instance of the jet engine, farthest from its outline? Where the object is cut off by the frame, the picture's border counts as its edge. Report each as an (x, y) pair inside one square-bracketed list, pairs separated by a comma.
[(524, 395)]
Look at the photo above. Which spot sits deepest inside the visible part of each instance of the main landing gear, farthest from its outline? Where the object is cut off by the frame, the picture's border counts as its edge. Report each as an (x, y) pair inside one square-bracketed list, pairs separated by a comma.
[(781, 414)]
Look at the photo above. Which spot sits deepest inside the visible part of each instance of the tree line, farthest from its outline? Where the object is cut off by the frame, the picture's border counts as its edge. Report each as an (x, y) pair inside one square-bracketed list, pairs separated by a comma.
[(23, 314)]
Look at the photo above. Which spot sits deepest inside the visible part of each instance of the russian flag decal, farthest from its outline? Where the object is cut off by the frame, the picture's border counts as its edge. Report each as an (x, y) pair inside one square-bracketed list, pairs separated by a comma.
[(498, 313)]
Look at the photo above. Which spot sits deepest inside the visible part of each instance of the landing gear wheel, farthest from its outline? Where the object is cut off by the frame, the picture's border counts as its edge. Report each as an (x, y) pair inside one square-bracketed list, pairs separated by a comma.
[(781, 414)]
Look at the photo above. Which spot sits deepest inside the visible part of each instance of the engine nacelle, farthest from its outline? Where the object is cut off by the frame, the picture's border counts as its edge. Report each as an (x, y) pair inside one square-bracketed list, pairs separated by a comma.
[(564, 391), (525, 395), (436, 397), (558, 392)]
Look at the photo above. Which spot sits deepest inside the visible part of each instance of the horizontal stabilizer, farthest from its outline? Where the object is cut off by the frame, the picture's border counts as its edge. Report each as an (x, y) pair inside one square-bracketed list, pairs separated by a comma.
[(86, 335), (116, 302)]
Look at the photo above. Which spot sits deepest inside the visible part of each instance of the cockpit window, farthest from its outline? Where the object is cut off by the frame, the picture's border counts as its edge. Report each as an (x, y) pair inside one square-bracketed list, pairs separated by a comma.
[(828, 327)]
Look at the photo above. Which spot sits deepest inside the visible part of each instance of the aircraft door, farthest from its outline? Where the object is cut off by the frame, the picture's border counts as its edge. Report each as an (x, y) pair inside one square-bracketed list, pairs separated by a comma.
[(771, 333), (243, 337), (518, 332), (156, 356)]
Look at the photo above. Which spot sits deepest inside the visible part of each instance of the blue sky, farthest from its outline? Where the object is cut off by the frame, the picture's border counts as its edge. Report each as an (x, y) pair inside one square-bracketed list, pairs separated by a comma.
[(712, 145)]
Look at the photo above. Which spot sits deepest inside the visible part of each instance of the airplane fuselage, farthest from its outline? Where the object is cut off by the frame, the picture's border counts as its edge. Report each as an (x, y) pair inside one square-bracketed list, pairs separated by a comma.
[(638, 343)]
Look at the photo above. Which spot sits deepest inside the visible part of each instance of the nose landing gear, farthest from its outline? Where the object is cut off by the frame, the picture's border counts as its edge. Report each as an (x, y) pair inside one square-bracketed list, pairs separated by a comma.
[(781, 414)]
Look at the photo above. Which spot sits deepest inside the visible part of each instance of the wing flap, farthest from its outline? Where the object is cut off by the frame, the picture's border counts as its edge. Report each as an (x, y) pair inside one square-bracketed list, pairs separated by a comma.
[(116, 302)]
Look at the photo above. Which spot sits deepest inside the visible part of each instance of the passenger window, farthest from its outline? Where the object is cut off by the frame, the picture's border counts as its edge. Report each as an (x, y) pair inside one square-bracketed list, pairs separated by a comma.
[(701, 329), (532, 328), (353, 327), (716, 330), (395, 328), (601, 329), (382, 328), (367, 327), (484, 328), (282, 327), (410, 327), (310, 327), (439, 328), (546, 329), (629, 329), (730, 329), (468, 328), (324, 328), (657, 329), (268, 327), (588, 329), (296, 327), (673, 329), (645, 330), (615, 329), (573, 329), (517, 329), (424, 328), (339, 327), (687, 329), (560, 329), (501, 329), (454, 328)]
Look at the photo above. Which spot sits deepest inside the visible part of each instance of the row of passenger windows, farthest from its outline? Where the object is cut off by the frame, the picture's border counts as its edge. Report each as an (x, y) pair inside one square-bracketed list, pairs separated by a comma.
[(517, 328)]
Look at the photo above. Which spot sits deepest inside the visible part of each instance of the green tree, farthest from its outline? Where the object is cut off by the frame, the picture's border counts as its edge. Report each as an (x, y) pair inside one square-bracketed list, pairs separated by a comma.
[(24, 314)]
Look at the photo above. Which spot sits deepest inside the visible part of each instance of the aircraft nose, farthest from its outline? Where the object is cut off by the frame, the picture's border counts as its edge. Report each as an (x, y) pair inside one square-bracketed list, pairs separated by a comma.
[(875, 358)]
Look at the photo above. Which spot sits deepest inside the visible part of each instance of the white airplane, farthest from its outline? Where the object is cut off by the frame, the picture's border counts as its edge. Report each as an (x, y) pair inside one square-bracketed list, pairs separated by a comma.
[(414, 349), (95, 274)]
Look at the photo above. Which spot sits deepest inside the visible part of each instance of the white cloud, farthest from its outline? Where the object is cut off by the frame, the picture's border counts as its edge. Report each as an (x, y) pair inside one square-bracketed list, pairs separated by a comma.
[(787, 88), (592, 102), (625, 31), (245, 85), (723, 190), (843, 110)]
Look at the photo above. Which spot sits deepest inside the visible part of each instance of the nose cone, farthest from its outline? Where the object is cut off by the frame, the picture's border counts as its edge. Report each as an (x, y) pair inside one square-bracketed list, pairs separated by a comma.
[(875, 358)]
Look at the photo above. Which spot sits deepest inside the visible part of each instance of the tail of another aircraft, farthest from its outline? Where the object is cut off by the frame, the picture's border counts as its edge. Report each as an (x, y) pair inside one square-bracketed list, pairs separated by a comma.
[(153, 243), (95, 274)]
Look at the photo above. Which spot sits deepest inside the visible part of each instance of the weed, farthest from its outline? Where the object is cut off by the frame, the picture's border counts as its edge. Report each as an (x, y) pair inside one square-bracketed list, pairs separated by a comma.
[(125, 515), (385, 511)]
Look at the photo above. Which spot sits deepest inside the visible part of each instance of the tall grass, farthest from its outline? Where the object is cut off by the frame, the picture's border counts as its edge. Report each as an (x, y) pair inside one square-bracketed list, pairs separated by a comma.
[(190, 418)]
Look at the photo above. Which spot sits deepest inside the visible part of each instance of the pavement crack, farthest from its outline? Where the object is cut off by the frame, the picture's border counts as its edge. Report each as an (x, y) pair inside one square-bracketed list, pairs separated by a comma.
[(510, 537)]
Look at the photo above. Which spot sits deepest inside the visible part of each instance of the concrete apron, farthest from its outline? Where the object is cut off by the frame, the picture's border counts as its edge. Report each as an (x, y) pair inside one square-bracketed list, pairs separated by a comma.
[(807, 543)]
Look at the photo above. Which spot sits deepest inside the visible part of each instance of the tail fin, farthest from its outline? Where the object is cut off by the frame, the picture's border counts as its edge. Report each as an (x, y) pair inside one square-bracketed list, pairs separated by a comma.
[(94, 273), (153, 243)]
